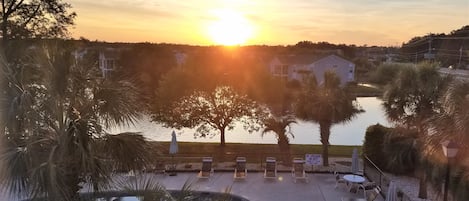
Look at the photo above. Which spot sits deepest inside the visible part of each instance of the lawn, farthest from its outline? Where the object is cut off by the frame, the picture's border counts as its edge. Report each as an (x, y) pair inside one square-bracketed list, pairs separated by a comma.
[(193, 151)]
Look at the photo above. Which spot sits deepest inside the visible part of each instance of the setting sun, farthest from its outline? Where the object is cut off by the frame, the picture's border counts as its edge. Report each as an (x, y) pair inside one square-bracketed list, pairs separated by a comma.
[(230, 28)]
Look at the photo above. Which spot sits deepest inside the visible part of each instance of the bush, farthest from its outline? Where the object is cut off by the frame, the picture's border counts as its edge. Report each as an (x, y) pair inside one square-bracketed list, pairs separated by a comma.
[(400, 151), (374, 142)]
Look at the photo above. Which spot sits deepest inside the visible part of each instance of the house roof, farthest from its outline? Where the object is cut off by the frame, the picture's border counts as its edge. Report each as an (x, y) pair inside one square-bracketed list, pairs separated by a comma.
[(335, 56), (305, 59)]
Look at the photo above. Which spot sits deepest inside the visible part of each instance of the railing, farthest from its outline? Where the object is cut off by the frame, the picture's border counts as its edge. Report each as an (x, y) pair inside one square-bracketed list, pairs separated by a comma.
[(373, 173)]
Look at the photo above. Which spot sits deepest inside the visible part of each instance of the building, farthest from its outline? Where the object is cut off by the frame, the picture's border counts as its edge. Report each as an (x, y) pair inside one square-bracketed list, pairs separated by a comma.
[(294, 67)]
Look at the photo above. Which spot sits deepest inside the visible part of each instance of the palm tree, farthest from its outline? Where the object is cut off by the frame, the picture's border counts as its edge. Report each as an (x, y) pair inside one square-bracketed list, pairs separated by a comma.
[(281, 128), (411, 100), (455, 103), (326, 104), (54, 130), (451, 124)]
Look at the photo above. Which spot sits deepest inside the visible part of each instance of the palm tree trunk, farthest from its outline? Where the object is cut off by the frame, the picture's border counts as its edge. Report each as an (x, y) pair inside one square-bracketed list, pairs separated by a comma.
[(422, 184), (422, 164), (284, 147), (72, 183), (325, 131)]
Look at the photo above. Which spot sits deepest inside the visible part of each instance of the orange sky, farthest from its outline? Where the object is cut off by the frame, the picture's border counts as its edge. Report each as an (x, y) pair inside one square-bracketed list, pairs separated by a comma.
[(271, 22)]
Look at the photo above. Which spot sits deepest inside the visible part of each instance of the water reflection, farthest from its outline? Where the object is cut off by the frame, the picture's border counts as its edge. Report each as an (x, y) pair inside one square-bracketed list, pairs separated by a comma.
[(351, 133)]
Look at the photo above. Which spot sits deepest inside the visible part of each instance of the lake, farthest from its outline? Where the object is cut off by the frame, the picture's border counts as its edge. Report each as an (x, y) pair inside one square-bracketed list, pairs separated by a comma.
[(351, 133)]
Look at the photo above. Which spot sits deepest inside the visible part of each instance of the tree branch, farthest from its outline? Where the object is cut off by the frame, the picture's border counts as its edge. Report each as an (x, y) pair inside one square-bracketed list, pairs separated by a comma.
[(31, 16), (12, 8)]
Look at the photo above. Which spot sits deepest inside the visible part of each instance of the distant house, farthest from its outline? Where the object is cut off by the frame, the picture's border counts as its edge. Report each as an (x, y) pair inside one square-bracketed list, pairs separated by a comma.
[(180, 57), (342, 67), (294, 67)]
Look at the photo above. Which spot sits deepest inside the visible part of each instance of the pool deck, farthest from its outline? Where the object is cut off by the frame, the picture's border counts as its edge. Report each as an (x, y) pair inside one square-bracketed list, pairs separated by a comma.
[(321, 186)]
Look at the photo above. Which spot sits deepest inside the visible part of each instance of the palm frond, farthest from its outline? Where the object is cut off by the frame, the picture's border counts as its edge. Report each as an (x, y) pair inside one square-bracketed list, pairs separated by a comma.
[(128, 151)]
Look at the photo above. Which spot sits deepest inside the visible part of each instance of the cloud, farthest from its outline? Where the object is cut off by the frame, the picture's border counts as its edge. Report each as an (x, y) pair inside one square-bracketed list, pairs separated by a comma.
[(123, 8)]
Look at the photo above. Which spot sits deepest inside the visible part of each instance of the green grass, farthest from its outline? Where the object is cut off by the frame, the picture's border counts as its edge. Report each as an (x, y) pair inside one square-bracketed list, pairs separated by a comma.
[(253, 152)]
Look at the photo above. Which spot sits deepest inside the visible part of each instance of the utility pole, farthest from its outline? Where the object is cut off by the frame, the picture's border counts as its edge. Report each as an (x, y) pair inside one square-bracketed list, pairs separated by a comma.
[(460, 56), (416, 54), (430, 45)]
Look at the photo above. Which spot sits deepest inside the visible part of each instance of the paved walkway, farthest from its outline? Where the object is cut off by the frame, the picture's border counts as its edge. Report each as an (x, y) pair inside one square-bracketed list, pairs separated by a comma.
[(321, 187)]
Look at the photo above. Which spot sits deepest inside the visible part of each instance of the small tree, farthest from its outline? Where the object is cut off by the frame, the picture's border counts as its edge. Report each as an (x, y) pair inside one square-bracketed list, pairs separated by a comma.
[(218, 110), (281, 128)]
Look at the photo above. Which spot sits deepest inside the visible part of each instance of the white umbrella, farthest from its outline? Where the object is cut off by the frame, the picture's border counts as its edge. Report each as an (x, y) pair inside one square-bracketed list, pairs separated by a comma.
[(392, 192), (355, 162), (173, 147)]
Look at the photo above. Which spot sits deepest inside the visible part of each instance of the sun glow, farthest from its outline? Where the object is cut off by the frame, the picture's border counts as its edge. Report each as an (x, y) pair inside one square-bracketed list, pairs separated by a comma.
[(230, 28)]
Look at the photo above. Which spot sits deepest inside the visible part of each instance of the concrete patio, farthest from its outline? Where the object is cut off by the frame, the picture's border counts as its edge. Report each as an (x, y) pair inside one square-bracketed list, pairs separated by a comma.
[(321, 186)]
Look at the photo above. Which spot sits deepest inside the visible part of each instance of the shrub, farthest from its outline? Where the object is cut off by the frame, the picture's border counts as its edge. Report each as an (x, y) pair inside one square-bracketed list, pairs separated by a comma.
[(374, 142), (400, 151)]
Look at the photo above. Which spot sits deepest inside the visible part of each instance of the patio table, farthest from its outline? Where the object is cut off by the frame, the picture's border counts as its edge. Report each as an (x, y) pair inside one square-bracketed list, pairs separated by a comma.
[(354, 180)]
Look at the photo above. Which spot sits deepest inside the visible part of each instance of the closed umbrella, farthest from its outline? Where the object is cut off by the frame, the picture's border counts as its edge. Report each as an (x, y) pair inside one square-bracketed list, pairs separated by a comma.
[(392, 192), (173, 149), (355, 162)]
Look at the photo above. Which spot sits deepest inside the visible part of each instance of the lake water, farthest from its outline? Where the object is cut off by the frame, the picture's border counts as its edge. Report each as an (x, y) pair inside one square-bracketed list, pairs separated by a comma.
[(351, 133)]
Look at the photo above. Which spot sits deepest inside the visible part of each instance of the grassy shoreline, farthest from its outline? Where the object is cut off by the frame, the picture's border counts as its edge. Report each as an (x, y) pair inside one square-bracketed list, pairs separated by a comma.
[(189, 151)]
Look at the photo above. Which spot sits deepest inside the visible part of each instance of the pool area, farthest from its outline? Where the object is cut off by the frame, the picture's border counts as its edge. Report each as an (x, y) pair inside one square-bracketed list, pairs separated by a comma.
[(140, 196)]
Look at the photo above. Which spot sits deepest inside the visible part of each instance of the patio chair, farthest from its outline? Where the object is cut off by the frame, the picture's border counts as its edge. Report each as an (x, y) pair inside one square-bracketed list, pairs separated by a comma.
[(207, 169), (339, 180), (370, 195), (366, 186), (298, 170), (270, 170), (240, 170)]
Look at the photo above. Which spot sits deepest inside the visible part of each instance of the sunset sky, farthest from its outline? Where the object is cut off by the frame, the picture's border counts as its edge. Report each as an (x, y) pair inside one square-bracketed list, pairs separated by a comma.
[(271, 22)]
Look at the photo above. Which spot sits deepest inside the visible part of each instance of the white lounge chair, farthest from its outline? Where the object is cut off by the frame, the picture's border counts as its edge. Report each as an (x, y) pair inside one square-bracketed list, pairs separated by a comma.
[(241, 171), (270, 170), (207, 169), (298, 170)]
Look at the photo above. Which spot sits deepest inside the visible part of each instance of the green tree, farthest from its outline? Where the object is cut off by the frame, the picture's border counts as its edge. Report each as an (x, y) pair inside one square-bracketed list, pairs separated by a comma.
[(281, 128), (386, 72), (451, 124), (54, 130), (455, 116), (35, 19), (218, 110), (326, 104), (411, 99)]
